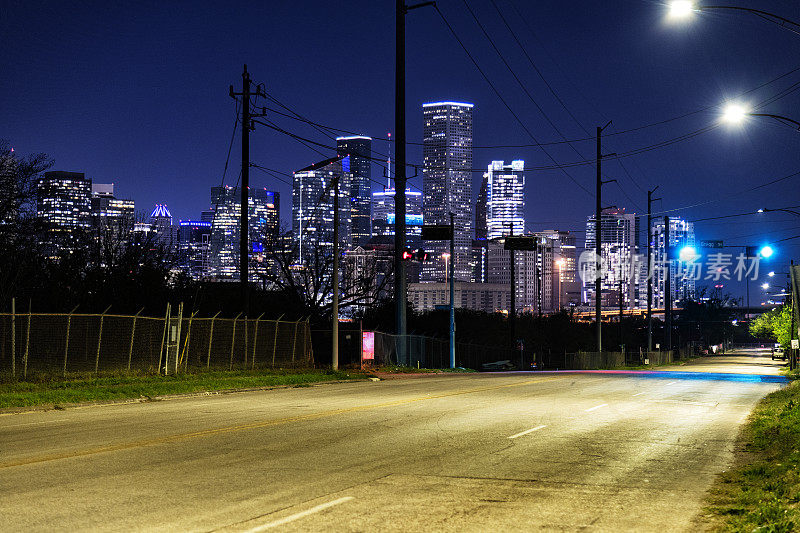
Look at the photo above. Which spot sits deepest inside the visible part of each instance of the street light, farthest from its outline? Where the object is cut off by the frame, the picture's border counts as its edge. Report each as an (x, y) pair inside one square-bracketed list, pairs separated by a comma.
[(687, 254), (683, 9), (781, 209), (735, 113), (560, 263), (445, 256), (766, 252), (765, 285)]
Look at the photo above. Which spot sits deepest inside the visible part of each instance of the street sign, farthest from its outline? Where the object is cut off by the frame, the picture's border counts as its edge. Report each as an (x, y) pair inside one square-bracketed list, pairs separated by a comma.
[(795, 344), (711, 244), (520, 243), (367, 345), (437, 232)]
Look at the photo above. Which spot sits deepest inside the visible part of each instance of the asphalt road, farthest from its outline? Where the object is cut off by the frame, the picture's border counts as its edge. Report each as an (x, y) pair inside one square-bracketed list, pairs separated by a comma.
[(478, 452)]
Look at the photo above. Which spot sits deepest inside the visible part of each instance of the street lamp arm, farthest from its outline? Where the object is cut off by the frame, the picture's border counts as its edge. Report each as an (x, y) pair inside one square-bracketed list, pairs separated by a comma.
[(795, 213), (777, 117), (777, 19)]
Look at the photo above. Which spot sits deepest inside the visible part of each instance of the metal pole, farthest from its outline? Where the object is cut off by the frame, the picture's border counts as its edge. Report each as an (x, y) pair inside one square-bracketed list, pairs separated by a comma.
[(233, 338), (335, 324), (667, 290), (178, 336), (275, 341), (66, 342), (244, 227), (210, 338), (13, 337), (621, 301), (650, 270), (130, 349), (792, 352), (452, 292), (598, 285), (294, 342), (400, 177), (27, 342), (100, 340), (163, 338), (255, 342), (512, 312)]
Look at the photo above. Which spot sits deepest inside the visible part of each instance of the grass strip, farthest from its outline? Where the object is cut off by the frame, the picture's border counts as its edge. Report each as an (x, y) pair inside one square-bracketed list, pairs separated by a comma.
[(762, 491), (118, 387)]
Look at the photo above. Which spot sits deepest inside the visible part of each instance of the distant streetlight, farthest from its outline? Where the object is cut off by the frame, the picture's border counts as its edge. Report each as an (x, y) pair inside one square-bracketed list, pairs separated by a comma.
[(765, 286), (735, 114), (687, 254), (771, 274), (781, 209), (446, 257), (766, 252), (681, 9), (560, 263)]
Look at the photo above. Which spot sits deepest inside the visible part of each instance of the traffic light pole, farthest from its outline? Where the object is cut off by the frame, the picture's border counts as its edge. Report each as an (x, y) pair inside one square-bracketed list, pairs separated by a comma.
[(244, 227), (452, 293), (335, 304), (650, 200), (667, 290)]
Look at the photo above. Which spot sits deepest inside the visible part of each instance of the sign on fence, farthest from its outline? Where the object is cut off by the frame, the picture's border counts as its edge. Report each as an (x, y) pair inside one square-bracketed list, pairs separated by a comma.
[(368, 346)]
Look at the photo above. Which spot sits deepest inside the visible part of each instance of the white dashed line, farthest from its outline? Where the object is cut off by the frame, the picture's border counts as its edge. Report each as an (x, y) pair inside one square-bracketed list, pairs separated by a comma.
[(672, 383), (292, 518), (640, 393), (537, 428), (596, 407)]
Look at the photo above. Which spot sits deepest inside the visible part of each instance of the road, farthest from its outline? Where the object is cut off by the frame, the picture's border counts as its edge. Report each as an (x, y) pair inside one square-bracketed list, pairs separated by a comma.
[(475, 452)]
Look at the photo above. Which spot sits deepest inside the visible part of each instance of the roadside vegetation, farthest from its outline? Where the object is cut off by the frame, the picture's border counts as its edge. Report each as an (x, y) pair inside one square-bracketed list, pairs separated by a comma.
[(79, 389), (762, 491)]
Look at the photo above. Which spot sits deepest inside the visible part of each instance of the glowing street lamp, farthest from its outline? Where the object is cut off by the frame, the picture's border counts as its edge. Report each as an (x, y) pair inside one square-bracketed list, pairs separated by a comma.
[(687, 254), (684, 9), (446, 257), (765, 286), (766, 252), (735, 114), (681, 9)]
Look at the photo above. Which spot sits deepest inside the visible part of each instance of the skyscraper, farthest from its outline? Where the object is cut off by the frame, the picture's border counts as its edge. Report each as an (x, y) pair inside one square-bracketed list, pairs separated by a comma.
[(312, 206), (194, 247), (63, 204), (505, 203), (447, 183), (161, 224), (619, 241), (383, 214), (681, 233), (110, 213), (359, 148), (263, 218)]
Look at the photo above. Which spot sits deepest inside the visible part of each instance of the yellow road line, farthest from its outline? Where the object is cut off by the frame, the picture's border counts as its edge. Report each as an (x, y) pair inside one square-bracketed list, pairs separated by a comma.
[(254, 425)]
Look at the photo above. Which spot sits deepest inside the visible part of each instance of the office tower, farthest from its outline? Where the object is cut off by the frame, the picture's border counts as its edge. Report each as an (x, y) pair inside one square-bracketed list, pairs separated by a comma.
[(383, 215), (481, 230), (619, 241), (194, 247), (505, 203), (312, 207), (207, 215), (682, 282), (109, 213), (63, 205), (263, 218), (359, 148), (161, 224), (447, 184)]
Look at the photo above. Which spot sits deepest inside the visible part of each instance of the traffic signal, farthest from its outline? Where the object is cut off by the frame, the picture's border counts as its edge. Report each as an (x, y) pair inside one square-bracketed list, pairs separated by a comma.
[(408, 254)]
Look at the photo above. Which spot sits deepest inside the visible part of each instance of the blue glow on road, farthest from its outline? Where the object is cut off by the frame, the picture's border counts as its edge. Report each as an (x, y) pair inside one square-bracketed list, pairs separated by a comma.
[(652, 374)]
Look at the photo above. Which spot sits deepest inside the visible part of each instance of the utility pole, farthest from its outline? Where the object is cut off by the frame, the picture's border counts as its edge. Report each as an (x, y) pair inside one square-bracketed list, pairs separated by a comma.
[(650, 200), (598, 282), (667, 289), (335, 324), (452, 292), (512, 314), (244, 223), (401, 9), (621, 301)]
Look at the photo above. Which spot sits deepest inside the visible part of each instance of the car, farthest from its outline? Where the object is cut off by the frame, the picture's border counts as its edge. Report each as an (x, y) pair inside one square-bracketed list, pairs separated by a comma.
[(498, 365), (778, 353)]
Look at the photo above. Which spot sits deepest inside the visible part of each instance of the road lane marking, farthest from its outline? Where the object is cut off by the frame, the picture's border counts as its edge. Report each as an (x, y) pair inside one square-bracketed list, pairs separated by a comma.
[(672, 383), (640, 393), (596, 407), (537, 428), (36, 423), (255, 425), (296, 516)]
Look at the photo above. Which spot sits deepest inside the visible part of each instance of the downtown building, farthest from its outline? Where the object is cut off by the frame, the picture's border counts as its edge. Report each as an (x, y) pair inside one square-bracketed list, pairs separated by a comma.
[(162, 231), (109, 213), (263, 217), (359, 148), (447, 185), (545, 278), (313, 192), (624, 271), (63, 206), (505, 200), (383, 215), (681, 234), (194, 248)]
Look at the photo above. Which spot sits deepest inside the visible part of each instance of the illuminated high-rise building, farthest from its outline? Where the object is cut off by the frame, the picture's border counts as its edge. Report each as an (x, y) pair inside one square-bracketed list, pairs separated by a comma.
[(194, 247), (161, 224), (505, 201), (110, 213), (359, 148), (63, 205), (263, 218), (447, 184), (682, 283), (383, 215), (313, 194), (619, 247)]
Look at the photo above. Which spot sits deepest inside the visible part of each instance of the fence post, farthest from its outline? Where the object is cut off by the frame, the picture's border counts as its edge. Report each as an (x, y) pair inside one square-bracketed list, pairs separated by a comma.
[(27, 342), (294, 344), (255, 342), (185, 355), (246, 321), (233, 338), (275, 342), (133, 332), (163, 338), (178, 336), (210, 338), (99, 340), (66, 342), (14, 337)]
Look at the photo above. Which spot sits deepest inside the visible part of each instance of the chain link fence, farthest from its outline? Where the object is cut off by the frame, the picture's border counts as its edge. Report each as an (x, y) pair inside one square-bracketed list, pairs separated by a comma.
[(62, 344)]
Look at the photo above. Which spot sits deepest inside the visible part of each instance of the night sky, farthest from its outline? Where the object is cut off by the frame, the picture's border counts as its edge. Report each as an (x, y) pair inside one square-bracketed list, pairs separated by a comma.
[(136, 93)]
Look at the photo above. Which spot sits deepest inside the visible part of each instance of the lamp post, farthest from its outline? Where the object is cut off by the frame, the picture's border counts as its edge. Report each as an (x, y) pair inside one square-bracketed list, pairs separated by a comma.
[(683, 9), (560, 265)]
